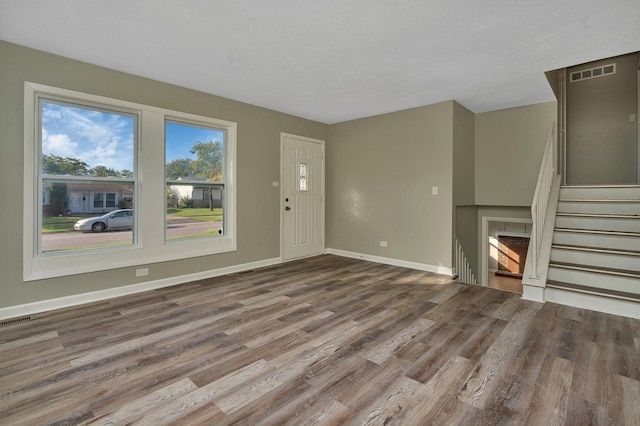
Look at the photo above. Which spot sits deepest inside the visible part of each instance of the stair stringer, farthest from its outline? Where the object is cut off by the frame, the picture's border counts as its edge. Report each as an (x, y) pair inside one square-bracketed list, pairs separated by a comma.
[(533, 285)]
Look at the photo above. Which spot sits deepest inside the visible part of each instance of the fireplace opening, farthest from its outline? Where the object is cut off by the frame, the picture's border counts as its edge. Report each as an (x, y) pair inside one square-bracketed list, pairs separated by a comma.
[(512, 254)]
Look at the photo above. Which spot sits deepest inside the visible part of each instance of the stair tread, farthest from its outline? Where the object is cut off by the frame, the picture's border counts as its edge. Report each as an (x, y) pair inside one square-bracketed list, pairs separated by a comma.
[(598, 269), (597, 290), (598, 231), (597, 249), (621, 185), (601, 215), (599, 200)]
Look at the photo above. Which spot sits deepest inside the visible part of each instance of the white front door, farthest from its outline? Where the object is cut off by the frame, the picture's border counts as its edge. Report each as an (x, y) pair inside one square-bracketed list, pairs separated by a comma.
[(302, 196)]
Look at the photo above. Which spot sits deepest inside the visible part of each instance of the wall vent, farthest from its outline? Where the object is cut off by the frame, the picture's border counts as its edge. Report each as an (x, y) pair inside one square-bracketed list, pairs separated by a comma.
[(11, 321), (592, 73)]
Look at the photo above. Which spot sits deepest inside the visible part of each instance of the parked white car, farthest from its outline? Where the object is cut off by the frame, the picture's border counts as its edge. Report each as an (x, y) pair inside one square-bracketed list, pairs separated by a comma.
[(117, 219)]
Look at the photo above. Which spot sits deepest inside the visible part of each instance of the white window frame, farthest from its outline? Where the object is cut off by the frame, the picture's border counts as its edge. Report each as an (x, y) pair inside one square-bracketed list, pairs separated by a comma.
[(149, 214)]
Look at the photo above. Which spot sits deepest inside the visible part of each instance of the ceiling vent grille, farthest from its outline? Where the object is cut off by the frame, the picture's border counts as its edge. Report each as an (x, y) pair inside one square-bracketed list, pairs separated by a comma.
[(590, 73)]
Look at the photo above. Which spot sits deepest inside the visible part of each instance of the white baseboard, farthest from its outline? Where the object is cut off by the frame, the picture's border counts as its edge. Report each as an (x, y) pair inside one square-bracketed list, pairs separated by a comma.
[(390, 261), (594, 303), (95, 296)]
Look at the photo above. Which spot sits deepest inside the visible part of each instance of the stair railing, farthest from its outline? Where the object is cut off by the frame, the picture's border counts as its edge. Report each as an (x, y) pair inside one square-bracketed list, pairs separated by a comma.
[(541, 198), (463, 268)]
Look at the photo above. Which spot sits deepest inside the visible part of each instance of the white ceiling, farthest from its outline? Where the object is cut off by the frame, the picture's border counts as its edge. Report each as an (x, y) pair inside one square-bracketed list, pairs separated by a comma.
[(335, 60)]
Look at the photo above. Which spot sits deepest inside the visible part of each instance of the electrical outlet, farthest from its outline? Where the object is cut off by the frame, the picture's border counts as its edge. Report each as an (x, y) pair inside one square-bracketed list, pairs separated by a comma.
[(632, 117), (142, 272), (434, 190), (383, 243)]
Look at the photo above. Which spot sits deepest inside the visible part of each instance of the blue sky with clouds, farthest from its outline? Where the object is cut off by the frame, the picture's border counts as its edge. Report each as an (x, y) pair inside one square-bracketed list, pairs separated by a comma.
[(104, 138), (95, 137), (181, 137)]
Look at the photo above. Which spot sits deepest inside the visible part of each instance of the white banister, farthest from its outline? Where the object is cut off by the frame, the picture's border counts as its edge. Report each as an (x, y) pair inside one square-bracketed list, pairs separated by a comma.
[(463, 268), (541, 199)]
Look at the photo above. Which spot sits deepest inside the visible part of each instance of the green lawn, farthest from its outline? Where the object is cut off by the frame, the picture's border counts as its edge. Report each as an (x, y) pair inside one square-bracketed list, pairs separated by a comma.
[(208, 233), (51, 224), (200, 214)]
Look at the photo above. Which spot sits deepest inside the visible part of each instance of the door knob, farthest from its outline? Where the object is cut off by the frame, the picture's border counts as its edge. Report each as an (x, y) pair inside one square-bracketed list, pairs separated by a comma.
[(287, 208)]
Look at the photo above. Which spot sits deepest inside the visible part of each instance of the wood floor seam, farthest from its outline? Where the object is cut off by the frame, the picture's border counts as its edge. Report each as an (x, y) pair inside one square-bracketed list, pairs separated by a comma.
[(324, 340)]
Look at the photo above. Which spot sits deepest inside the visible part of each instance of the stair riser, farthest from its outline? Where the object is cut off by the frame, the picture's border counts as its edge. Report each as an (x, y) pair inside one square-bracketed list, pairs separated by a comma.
[(595, 240), (595, 280), (598, 207), (622, 193), (594, 259), (600, 224)]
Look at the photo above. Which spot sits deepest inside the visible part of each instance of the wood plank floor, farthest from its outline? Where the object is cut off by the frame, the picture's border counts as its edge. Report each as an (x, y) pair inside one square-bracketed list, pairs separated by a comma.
[(501, 282), (325, 340)]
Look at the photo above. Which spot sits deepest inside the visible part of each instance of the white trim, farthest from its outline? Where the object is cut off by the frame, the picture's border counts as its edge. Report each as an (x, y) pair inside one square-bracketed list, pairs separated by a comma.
[(484, 252), (322, 143), (513, 234), (607, 305), (533, 293), (96, 296), (389, 261)]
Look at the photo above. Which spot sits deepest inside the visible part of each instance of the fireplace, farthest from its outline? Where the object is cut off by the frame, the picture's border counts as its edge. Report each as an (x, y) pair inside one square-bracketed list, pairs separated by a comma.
[(512, 253)]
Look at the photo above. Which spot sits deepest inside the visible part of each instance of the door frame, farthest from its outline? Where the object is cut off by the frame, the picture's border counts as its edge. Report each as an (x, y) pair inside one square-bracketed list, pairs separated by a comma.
[(321, 142)]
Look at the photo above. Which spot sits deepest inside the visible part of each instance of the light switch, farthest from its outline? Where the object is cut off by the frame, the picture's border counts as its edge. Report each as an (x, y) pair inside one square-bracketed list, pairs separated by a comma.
[(434, 190), (632, 117)]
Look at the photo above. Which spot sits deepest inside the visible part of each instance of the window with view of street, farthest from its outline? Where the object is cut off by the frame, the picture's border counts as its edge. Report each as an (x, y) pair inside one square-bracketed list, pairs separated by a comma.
[(86, 208), (86, 169), (194, 173)]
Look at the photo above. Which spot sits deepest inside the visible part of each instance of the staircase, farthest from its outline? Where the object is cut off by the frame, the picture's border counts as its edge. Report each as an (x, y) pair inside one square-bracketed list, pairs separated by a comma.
[(596, 242)]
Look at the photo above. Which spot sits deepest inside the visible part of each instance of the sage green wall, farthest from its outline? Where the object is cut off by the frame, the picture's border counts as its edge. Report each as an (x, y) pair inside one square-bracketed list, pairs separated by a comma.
[(509, 145), (465, 213), (602, 144), (463, 156), (552, 79), (258, 161), (380, 171)]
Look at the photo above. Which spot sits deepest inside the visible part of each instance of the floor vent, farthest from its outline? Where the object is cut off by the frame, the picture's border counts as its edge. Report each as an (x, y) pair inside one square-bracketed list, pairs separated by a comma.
[(11, 321), (592, 73)]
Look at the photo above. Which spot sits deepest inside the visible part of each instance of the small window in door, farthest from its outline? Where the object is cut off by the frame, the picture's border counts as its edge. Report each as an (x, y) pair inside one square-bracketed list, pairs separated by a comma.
[(304, 185)]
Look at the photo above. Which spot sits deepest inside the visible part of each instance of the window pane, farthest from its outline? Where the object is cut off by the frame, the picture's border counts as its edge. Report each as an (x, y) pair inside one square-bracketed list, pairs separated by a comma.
[(110, 199), (80, 141), (79, 215), (98, 201), (194, 152), (188, 217), (303, 177), (195, 181)]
